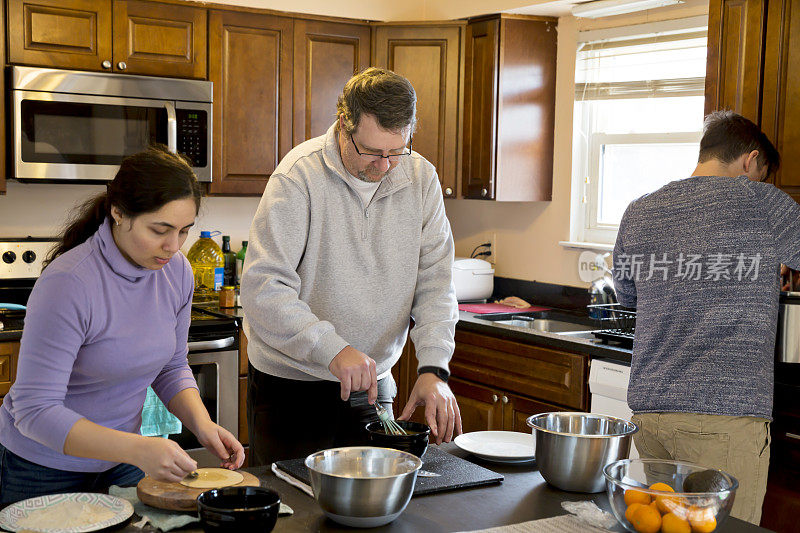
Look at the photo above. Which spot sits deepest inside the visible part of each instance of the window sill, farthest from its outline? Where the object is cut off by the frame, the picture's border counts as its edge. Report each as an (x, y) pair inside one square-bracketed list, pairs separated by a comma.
[(587, 246)]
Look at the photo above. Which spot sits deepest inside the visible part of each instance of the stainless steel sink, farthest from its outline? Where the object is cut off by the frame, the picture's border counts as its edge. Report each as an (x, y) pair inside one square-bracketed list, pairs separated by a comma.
[(545, 324)]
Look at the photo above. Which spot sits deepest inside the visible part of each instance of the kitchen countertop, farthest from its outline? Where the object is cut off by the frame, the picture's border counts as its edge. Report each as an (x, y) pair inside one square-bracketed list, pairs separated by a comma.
[(523, 496), (594, 348)]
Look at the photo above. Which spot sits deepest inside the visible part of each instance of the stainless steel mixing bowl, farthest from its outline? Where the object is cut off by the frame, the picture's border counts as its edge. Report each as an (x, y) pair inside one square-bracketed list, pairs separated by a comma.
[(573, 448), (363, 486)]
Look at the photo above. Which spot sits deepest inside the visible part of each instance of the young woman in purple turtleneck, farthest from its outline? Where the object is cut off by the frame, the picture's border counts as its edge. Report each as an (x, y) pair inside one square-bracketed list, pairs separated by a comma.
[(108, 317)]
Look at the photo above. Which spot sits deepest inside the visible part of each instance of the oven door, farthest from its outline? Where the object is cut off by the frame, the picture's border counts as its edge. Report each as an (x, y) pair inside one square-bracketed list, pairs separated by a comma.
[(62, 136), (216, 370)]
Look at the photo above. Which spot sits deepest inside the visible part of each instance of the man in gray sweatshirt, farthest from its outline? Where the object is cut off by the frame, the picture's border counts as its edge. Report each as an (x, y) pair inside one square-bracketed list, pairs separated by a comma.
[(699, 259), (349, 244)]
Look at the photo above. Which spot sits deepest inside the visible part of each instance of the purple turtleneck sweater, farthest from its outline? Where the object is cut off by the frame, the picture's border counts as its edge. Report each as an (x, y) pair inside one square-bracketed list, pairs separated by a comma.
[(98, 331)]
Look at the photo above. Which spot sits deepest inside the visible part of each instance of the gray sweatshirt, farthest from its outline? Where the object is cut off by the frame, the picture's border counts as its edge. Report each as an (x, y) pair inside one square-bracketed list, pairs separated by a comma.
[(324, 271), (699, 259)]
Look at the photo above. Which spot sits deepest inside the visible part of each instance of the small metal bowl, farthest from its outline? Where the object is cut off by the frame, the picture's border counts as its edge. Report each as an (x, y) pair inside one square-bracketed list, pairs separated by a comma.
[(238, 510), (363, 486), (415, 442)]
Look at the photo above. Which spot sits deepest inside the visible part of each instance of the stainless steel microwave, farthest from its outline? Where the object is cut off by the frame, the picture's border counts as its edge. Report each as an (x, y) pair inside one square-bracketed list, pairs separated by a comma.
[(78, 126)]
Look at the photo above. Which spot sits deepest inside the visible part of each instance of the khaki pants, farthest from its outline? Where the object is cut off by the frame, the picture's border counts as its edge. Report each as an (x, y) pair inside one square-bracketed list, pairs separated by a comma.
[(736, 445)]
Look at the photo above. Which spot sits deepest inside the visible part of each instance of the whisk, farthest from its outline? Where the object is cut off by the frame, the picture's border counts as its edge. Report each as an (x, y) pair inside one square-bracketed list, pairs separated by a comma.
[(389, 425)]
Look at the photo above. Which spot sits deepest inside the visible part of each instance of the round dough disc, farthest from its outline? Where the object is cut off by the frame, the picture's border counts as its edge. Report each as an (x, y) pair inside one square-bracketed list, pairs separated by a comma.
[(213, 478)]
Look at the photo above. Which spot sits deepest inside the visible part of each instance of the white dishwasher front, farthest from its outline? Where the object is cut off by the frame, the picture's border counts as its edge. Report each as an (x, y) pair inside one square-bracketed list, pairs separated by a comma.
[(608, 386)]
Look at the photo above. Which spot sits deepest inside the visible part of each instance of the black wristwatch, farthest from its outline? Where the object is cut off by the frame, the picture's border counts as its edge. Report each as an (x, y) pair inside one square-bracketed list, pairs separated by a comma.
[(440, 373)]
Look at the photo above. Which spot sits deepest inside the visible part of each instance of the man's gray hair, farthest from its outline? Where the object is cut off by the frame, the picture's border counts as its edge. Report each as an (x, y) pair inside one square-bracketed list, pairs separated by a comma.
[(380, 92)]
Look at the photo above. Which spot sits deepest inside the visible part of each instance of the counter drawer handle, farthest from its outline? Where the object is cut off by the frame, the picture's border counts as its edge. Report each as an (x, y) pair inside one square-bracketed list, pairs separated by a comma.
[(484, 192), (201, 346), (448, 191), (121, 65), (793, 436), (505, 399), (494, 398), (106, 64)]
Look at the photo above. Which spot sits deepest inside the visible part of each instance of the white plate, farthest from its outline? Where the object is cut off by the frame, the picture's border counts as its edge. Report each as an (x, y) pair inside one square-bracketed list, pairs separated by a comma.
[(499, 446), (122, 510)]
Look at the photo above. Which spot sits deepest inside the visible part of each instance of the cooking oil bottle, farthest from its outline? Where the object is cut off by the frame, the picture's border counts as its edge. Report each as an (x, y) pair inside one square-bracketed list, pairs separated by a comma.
[(208, 263)]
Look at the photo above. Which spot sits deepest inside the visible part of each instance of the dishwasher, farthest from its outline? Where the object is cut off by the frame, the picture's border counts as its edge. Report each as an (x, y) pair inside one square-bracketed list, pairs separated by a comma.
[(608, 387)]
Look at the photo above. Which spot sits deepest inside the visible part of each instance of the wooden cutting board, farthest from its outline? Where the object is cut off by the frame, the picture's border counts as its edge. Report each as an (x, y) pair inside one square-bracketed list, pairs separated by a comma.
[(176, 497)]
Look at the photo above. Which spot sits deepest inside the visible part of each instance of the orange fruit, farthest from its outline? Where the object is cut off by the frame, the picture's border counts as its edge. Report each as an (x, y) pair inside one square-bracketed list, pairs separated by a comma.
[(630, 510), (671, 523), (671, 504), (636, 496), (702, 520), (646, 519), (663, 487)]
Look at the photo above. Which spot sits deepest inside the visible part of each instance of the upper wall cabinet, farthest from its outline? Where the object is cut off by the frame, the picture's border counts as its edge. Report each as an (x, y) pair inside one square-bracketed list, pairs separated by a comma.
[(3, 171), (735, 56), (509, 109), (781, 90), (132, 36), (326, 55), (431, 57), (250, 62)]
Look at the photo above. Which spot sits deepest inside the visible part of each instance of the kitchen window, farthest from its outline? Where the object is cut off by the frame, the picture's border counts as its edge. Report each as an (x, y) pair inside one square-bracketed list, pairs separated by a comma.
[(638, 118)]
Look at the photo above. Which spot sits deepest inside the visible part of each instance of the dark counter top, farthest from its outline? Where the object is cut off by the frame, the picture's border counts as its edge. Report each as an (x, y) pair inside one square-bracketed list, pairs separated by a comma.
[(11, 335), (591, 347), (523, 496)]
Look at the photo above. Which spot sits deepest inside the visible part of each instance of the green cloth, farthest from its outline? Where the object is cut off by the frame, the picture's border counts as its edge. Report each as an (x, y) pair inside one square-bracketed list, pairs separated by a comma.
[(156, 419)]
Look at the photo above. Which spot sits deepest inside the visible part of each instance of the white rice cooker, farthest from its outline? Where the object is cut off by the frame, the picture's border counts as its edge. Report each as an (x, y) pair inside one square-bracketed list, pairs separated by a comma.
[(473, 278)]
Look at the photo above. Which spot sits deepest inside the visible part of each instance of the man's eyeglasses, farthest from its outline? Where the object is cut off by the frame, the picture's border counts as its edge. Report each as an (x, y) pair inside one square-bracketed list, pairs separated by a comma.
[(376, 157)]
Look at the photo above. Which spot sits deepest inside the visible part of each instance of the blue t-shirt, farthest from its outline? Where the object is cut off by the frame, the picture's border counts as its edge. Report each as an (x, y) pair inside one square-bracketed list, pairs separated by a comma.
[(700, 260)]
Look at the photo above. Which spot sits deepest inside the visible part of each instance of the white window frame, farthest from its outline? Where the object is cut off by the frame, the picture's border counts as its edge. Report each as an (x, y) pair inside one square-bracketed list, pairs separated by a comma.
[(585, 229)]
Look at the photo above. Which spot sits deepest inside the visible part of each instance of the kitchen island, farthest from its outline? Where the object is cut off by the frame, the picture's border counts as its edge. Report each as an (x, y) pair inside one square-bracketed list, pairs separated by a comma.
[(523, 496)]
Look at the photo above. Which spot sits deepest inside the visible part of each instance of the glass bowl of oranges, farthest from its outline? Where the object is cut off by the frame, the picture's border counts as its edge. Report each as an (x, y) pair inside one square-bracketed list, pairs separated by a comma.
[(660, 496)]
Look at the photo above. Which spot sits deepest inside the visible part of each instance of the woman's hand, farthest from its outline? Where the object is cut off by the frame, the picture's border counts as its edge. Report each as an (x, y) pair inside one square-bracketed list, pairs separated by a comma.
[(163, 459), (221, 443)]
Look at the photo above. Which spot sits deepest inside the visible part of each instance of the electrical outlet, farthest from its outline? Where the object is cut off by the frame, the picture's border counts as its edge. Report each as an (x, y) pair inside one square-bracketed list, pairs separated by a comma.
[(491, 238)]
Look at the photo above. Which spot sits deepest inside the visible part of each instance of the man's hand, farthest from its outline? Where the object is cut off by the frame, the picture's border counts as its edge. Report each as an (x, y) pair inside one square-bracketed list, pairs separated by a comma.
[(356, 371), (789, 278), (441, 408)]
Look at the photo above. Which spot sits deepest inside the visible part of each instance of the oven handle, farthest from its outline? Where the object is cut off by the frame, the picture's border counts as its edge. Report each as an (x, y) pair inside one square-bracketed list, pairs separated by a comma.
[(172, 127), (216, 344)]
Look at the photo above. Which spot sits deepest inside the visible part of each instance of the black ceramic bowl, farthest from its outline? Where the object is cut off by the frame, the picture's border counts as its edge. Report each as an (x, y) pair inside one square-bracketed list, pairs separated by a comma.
[(238, 509), (415, 442)]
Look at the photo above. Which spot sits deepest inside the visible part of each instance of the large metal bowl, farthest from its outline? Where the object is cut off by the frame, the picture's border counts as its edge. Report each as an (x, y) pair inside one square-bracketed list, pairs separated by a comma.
[(573, 448), (363, 486)]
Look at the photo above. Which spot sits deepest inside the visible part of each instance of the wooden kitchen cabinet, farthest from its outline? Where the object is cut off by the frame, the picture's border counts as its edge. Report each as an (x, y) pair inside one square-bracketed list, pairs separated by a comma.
[(735, 56), (250, 64), (243, 377), (509, 108), (326, 55), (431, 57), (9, 352), (131, 36), (4, 171), (781, 90)]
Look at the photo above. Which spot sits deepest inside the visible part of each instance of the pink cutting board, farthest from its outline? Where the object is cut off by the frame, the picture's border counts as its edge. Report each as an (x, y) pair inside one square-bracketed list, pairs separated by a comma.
[(482, 309)]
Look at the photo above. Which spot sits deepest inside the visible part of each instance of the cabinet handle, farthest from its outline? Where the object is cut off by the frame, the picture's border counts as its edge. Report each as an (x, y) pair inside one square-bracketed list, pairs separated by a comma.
[(494, 398), (505, 399), (106, 64), (448, 191), (793, 436), (484, 192), (121, 65)]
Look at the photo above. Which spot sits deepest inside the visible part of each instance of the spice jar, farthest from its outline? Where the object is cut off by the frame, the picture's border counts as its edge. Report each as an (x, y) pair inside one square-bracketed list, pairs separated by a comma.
[(227, 296)]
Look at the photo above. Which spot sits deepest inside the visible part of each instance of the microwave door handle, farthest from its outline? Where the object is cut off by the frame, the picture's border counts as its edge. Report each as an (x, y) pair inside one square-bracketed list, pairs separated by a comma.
[(172, 127)]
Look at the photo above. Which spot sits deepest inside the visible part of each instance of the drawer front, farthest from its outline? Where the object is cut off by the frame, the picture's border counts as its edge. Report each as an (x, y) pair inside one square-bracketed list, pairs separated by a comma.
[(8, 365), (550, 375)]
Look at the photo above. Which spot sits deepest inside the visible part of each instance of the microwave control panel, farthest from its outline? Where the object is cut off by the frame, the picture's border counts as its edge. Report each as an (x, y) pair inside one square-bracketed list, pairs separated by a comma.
[(193, 135)]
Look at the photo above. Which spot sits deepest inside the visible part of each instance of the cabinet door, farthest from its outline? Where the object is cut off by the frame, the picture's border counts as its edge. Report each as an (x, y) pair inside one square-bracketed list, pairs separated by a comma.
[(2, 115), (517, 409), (481, 408), (480, 117), (733, 74), (250, 62), (430, 57), (326, 55), (781, 111), (9, 351), (70, 34), (159, 39)]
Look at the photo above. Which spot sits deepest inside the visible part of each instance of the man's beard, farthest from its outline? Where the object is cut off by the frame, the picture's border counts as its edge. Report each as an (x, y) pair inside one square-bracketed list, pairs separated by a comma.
[(363, 176)]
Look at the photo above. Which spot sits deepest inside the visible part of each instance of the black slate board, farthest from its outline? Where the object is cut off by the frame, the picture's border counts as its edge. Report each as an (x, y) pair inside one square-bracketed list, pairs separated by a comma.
[(456, 473)]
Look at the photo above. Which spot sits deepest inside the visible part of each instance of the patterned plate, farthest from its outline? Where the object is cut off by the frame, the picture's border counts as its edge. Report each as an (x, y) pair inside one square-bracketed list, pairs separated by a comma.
[(122, 510)]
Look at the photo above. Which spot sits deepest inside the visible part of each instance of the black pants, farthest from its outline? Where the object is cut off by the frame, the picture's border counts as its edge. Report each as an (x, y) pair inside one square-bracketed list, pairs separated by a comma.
[(289, 418)]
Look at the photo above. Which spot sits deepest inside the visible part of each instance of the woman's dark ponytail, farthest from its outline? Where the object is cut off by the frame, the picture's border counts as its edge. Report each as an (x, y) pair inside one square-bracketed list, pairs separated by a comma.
[(144, 183)]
